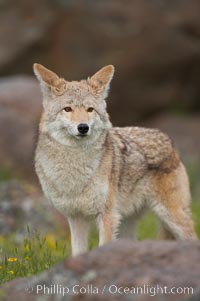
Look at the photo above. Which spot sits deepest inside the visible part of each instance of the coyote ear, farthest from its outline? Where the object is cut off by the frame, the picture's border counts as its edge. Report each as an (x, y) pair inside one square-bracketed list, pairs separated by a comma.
[(101, 80), (50, 79)]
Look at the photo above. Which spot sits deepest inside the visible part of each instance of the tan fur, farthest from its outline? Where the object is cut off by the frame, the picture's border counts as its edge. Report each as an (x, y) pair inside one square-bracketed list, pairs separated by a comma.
[(172, 190), (110, 174)]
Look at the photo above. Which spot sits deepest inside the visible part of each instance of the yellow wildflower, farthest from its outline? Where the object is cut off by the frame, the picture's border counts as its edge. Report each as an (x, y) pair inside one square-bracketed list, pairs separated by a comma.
[(12, 259), (1, 267), (27, 258), (50, 240), (11, 272), (26, 247)]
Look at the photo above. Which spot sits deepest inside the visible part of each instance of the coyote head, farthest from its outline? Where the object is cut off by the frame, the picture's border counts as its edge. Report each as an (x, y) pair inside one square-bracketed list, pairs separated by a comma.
[(74, 110)]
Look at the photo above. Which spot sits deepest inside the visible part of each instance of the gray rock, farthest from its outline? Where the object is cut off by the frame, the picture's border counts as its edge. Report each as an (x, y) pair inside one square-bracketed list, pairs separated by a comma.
[(20, 109), (152, 266)]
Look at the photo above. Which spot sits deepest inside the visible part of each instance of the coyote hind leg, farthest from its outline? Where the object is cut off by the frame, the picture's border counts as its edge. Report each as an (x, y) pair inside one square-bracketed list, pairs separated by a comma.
[(172, 205), (177, 224)]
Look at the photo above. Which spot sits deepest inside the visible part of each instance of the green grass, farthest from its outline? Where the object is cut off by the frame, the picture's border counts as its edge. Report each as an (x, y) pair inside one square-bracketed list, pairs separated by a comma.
[(147, 227), (35, 254), (196, 216)]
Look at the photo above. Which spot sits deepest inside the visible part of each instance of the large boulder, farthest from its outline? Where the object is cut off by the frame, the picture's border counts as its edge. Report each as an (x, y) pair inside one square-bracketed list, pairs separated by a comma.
[(123, 270), (20, 109)]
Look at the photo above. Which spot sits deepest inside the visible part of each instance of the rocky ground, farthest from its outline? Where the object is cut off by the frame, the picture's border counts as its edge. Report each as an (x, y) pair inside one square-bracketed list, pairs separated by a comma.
[(156, 267)]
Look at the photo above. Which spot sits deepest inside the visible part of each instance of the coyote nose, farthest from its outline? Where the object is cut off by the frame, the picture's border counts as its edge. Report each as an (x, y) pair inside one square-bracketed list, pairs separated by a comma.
[(83, 128)]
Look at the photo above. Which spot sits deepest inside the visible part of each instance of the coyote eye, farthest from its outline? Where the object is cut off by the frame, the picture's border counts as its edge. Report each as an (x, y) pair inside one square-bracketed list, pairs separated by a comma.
[(90, 109), (68, 109)]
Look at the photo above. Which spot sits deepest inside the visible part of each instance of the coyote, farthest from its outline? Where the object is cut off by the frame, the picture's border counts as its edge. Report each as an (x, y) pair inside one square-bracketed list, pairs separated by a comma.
[(93, 171)]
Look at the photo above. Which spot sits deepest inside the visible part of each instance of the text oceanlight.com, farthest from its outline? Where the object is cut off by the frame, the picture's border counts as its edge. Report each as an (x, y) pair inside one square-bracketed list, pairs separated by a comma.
[(58, 289)]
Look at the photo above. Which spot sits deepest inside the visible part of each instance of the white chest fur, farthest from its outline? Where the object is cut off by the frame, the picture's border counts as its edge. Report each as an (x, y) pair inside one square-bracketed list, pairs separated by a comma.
[(71, 180)]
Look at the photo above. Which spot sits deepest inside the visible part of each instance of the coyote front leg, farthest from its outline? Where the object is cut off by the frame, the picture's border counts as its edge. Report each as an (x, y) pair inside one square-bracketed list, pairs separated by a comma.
[(79, 228)]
